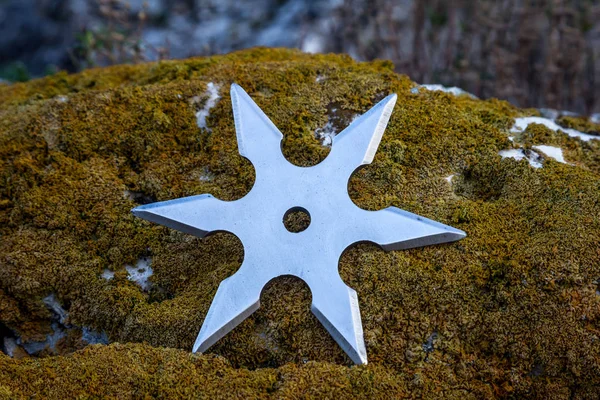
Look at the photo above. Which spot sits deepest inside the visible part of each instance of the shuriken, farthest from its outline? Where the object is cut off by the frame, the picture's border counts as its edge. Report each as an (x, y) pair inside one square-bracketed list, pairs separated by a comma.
[(270, 250)]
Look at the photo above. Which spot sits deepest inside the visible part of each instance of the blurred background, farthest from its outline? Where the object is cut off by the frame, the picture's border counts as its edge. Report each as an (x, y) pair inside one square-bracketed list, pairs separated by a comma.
[(534, 53)]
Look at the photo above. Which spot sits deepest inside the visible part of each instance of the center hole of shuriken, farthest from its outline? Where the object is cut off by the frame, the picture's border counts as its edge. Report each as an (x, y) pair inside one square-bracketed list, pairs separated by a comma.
[(296, 219)]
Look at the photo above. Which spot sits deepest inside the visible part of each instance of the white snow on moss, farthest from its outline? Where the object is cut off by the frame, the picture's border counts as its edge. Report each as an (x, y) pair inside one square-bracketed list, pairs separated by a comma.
[(51, 340), (140, 273), (449, 178), (10, 345), (213, 96), (595, 118), (532, 157), (205, 175), (202, 174), (522, 123), (108, 274), (552, 151), (92, 337), (440, 88), (326, 134), (60, 330), (52, 303)]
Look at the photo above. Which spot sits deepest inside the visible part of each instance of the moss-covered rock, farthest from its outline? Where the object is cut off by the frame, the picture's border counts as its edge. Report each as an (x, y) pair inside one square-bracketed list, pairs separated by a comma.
[(513, 309)]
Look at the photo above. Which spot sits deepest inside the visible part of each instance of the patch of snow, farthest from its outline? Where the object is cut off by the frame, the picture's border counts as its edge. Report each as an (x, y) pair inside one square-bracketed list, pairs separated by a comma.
[(59, 331), (440, 88), (107, 274), (269, 342), (52, 303), (92, 337), (10, 345), (320, 78), (140, 273), (206, 175), (595, 118), (50, 342), (533, 158), (552, 151), (326, 134), (213, 97), (449, 178), (522, 123), (62, 99)]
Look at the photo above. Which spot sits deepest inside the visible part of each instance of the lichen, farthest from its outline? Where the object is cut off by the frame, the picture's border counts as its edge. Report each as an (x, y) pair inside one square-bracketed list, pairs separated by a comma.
[(513, 306)]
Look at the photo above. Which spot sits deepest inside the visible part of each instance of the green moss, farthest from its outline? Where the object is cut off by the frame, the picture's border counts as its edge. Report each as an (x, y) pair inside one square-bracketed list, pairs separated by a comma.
[(582, 124), (141, 371), (513, 306)]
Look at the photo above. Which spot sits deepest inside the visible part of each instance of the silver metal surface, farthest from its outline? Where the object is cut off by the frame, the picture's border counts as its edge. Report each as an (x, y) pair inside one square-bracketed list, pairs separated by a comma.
[(270, 250)]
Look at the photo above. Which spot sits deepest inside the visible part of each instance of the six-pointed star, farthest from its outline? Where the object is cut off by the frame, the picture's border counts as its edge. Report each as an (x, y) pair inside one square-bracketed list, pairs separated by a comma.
[(270, 250)]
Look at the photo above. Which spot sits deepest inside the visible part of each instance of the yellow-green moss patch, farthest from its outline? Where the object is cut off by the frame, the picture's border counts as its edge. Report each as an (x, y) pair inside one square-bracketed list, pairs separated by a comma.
[(512, 310), (582, 124)]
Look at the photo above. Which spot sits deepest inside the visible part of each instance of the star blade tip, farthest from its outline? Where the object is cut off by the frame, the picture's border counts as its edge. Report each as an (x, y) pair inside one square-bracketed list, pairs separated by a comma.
[(144, 210), (449, 234), (387, 103), (355, 350), (453, 234), (457, 234), (206, 339), (139, 211), (358, 358), (200, 345), (461, 234), (196, 348), (391, 98), (235, 88), (339, 312)]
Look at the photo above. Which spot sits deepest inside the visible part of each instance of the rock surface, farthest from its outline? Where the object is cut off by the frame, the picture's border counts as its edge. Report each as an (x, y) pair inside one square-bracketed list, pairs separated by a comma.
[(512, 310)]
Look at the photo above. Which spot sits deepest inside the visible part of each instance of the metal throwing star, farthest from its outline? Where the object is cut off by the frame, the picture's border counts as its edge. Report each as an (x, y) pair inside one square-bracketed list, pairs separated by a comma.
[(270, 250)]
